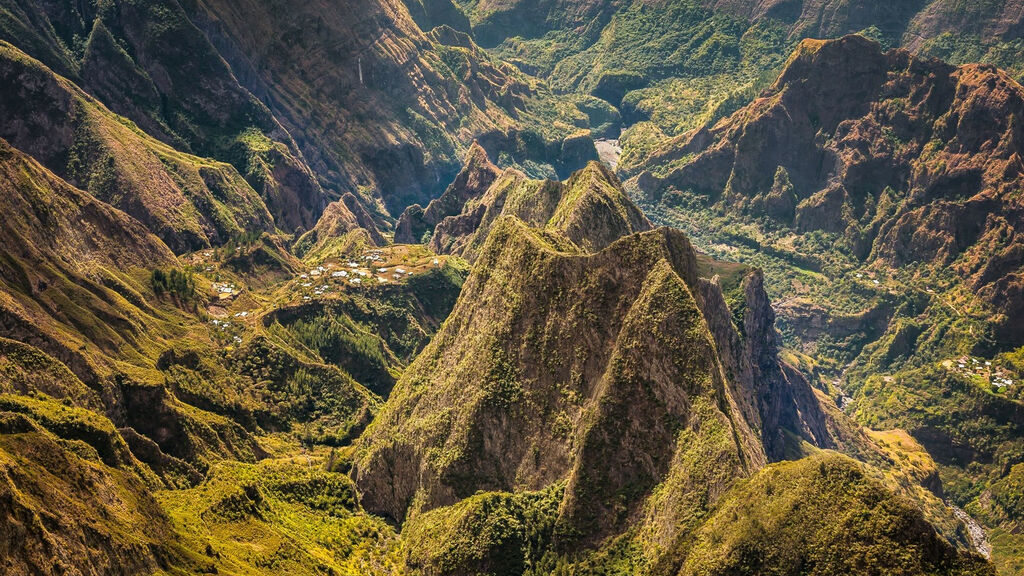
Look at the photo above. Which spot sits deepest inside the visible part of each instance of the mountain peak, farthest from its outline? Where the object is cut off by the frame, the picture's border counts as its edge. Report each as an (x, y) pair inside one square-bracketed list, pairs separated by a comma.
[(531, 284), (590, 208), (621, 343), (476, 176), (595, 211)]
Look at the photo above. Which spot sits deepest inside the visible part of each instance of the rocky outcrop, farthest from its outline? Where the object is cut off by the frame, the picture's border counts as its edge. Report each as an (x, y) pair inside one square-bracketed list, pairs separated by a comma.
[(769, 393), (363, 218), (589, 209), (387, 102), (472, 182), (604, 361), (910, 160), (787, 403)]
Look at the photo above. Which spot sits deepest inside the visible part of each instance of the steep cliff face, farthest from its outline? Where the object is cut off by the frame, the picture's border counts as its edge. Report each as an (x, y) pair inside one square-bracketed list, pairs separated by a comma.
[(665, 68), (305, 101), (911, 161), (600, 398), (827, 18), (371, 100), (893, 180), (777, 395), (149, 62), (589, 208), (477, 175), (430, 14), (189, 202), (916, 23), (475, 411), (496, 21), (602, 363), (984, 25)]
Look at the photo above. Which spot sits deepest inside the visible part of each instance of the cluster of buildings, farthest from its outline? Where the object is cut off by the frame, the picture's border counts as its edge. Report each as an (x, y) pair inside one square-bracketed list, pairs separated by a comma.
[(226, 326), (984, 369), (224, 290), (369, 269)]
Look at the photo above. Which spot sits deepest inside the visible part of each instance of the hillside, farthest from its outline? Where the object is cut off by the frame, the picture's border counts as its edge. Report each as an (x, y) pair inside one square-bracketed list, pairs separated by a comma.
[(580, 388), (527, 387), (227, 436), (513, 288), (81, 291), (883, 202), (188, 201), (124, 384), (589, 208), (371, 106)]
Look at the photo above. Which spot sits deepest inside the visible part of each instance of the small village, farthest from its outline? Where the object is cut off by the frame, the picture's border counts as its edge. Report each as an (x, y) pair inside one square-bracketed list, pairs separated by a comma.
[(233, 307), (999, 378), (226, 330), (376, 267)]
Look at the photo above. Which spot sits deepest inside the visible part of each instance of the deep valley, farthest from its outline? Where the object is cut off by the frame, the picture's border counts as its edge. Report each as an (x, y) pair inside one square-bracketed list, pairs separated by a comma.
[(516, 288)]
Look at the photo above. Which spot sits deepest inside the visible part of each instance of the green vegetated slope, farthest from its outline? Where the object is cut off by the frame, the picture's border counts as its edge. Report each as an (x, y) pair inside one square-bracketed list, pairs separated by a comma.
[(122, 388), (668, 67), (214, 358), (566, 417), (830, 517), (632, 44), (128, 138), (146, 61), (880, 192), (188, 201), (150, 427), (308, 101), (80, 290)]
